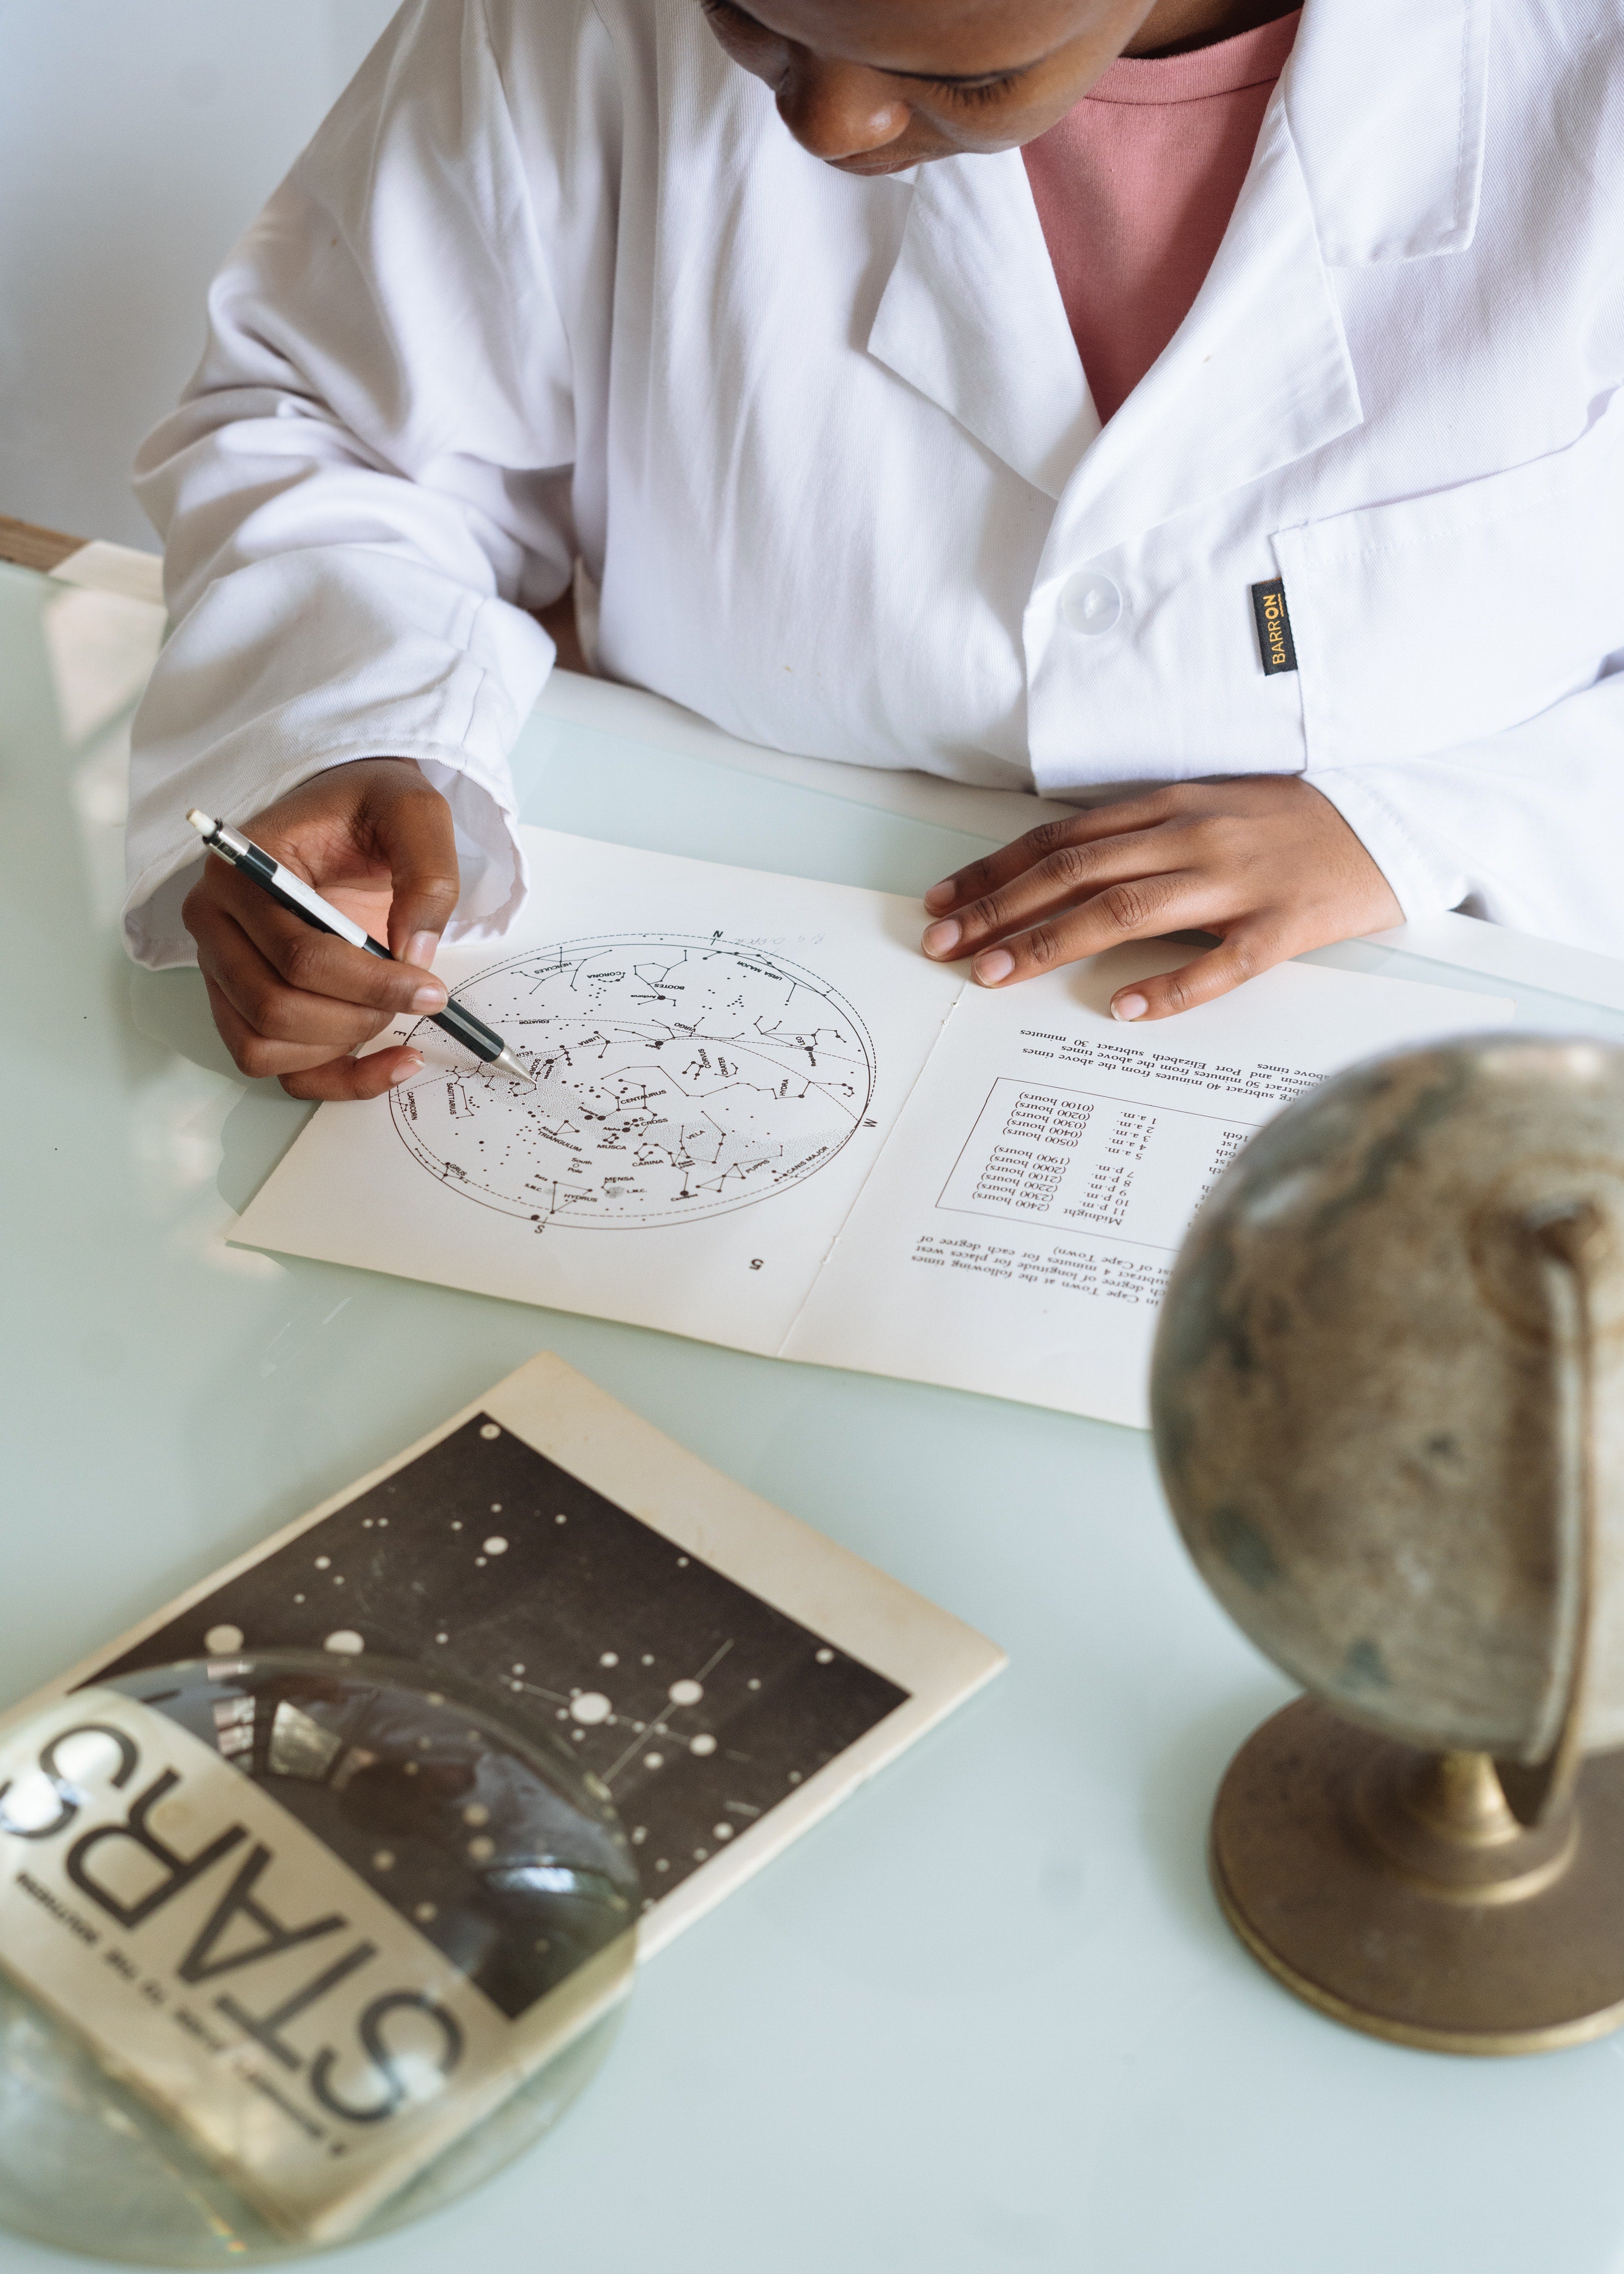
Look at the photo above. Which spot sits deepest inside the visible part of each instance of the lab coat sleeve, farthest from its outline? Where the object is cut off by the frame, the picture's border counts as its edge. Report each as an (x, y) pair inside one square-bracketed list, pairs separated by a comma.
[(367, 483), (1522, 827)]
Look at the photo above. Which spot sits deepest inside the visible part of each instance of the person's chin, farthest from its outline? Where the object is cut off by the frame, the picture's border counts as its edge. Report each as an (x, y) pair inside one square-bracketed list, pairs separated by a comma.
[(888, 161)]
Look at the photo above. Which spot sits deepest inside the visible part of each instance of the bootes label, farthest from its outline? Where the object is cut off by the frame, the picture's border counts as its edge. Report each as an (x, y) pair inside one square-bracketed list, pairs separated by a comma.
[(225, 1965)]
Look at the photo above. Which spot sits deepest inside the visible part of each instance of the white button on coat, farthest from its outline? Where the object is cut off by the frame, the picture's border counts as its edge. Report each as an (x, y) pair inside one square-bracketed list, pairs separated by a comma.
[(1091, 604), (554, 281)]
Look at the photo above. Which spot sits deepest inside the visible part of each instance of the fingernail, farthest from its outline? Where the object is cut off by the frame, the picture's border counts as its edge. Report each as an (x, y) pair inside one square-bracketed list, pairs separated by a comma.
[(940, 938), (421, 948), (990, 968), (1128, 1006), (405, 1072), (429, 998), (941, 896)]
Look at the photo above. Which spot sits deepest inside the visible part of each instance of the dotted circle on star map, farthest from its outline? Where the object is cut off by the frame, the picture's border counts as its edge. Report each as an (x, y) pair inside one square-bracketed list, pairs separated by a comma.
[(675, 1078)]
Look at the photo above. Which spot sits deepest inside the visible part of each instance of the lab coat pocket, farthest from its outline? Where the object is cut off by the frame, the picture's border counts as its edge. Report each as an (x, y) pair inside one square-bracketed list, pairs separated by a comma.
[(1429, 623)]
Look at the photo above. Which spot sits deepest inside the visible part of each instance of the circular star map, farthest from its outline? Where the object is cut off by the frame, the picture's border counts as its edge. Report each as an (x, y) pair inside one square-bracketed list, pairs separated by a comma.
[(675, 1078)]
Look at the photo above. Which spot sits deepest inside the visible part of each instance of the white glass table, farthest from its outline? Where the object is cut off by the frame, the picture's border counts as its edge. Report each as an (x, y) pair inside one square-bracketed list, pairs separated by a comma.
[(987, 2016)]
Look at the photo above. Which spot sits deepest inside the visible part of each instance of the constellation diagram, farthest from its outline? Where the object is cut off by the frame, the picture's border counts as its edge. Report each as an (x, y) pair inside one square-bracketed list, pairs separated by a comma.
[(699, 1706), (675, 1078)]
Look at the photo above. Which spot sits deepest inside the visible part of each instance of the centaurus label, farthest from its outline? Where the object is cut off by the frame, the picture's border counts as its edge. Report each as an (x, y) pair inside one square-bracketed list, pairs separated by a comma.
[(227, 1966), (1275, 641)]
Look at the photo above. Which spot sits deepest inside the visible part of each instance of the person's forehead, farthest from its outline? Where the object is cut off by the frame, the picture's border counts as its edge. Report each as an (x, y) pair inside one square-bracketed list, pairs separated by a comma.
[(961, 37)]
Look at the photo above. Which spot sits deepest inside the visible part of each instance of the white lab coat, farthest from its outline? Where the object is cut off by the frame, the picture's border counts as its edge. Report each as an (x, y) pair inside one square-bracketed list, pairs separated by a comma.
[(553, 281)]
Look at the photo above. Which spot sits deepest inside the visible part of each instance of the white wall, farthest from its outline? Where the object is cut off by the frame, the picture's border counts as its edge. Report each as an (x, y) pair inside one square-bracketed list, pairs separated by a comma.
[(137, 138)]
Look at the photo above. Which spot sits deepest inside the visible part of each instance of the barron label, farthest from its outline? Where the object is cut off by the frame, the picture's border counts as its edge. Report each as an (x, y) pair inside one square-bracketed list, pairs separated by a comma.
[(1276, 643)]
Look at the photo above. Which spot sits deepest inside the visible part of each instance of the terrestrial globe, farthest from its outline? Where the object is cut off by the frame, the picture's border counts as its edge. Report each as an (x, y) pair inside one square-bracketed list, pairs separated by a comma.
[(1389, 1406)]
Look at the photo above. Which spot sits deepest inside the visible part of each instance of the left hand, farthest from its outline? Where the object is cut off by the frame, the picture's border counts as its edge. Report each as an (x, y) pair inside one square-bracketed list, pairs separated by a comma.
[(1262, 860)]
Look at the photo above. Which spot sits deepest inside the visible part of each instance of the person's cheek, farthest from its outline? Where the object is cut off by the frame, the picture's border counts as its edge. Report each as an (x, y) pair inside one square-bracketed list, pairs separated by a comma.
[(757, 52)]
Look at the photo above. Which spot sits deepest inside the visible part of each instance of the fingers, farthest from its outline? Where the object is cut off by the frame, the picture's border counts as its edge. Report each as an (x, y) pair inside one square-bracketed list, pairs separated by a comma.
[(1141, 907), (270, 1022), (1039, 845), (257, 1054), (1071, 872), (260, 947), (355, 1078), (1248, 949), (308, 1071), (408, 828), (266, 959)]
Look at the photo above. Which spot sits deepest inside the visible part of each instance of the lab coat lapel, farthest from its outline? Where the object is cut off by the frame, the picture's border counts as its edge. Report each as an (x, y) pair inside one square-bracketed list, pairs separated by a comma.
[(1371, 151), (1387, 104), (1362, 159), (972, 317), (1257, 375)]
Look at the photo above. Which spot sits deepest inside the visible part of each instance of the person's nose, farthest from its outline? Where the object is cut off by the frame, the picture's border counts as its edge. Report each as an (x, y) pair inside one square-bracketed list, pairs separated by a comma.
[(838, 110)]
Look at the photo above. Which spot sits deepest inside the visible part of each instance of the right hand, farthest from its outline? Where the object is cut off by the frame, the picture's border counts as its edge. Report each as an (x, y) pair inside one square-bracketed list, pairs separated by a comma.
[(373, 838)]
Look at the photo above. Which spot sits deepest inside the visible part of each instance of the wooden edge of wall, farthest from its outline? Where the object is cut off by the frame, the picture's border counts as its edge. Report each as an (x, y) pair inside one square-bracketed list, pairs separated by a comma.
[(29, 547)]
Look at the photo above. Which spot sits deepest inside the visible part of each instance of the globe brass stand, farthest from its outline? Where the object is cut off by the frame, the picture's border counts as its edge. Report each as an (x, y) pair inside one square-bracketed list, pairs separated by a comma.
[(1395, 1890)]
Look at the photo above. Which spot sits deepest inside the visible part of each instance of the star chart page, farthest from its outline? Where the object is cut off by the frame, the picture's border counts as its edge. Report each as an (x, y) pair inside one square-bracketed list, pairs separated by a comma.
[(719, 1055), (1018, 1232)]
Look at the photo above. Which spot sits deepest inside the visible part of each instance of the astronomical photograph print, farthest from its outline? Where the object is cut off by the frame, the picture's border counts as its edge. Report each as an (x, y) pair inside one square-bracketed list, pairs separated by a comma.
[(699, 1706)]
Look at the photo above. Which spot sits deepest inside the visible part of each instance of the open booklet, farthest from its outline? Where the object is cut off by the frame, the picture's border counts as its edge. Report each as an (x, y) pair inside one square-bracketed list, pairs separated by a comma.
[(722, 1674), (762, 1117)]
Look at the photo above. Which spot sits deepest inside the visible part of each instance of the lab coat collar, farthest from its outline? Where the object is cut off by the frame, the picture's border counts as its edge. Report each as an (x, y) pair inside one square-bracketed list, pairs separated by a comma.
[(972, 317), (1359, 160), (1257, 376), (1387, 101)]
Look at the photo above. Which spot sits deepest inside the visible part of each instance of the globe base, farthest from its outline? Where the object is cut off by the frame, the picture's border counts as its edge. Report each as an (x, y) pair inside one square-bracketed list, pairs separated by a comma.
[(1394, 1890)]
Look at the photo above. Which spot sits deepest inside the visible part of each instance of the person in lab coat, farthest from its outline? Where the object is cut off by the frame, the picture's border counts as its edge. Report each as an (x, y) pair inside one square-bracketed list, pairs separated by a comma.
[(753, 315)]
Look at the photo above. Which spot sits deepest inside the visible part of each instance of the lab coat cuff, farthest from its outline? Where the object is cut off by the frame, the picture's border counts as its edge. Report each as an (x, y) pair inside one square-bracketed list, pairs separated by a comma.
[(1425, 881), (491, 863)]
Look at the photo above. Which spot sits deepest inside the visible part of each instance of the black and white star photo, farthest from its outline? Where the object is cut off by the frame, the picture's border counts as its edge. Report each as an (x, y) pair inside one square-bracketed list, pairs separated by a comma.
[(697, 1706)]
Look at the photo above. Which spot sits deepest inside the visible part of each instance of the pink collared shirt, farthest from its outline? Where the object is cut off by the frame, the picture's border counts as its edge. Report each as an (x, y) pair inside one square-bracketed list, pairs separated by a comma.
[(1135, 187)]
